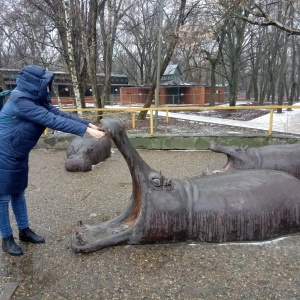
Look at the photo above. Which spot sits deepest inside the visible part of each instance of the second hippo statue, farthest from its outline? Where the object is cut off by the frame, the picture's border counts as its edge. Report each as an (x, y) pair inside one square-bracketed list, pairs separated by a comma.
[(284, 158), (84, 152)]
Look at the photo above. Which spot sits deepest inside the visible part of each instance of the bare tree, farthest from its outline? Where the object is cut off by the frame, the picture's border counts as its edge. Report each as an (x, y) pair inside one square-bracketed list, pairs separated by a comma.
[(109, 20), (235, 37), (280, 15), (90, 42), (26, 34), (258, 13), (171, 44), (242, 43), (67, 17), (200, 46), (138, 40), (71, 52)]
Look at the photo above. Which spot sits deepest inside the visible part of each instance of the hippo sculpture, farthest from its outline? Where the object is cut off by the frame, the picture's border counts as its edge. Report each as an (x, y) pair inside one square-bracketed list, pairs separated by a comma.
[(243, 205), (84, 152), (275, 157)]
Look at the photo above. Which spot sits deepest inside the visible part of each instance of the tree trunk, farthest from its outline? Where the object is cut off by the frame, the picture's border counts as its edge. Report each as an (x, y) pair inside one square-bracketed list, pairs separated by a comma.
[(212, 89), (166, 60), (235, 38), (293, 81), (108, 30), (71, 57), (91, 46)]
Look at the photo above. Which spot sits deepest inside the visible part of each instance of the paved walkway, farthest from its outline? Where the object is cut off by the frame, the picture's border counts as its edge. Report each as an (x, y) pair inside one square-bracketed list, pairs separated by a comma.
[(57, 199)]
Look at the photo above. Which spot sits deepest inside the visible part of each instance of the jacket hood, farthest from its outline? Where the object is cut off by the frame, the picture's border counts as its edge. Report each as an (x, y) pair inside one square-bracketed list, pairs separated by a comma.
[(34, 80)]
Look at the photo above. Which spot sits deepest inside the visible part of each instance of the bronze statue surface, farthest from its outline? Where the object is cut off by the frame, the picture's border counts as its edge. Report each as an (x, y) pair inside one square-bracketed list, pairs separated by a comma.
[(84, 152), (241, 205)]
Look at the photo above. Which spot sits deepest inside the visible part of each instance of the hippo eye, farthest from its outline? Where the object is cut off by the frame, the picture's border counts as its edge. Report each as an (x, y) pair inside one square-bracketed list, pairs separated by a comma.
[(156, 179), (156, 182), (72, 150), (89, 150)]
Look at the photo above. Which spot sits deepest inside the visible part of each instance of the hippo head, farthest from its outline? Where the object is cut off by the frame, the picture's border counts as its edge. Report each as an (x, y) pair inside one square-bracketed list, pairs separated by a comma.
[(84, 152), (237, 157), (148, 186)]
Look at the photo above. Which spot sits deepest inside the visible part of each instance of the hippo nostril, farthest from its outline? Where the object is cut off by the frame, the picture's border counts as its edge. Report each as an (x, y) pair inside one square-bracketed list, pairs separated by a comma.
[(168, 185)]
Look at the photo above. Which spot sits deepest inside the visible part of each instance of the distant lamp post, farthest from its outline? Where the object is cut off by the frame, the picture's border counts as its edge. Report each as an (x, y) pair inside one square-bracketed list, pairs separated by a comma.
[(158, 64)]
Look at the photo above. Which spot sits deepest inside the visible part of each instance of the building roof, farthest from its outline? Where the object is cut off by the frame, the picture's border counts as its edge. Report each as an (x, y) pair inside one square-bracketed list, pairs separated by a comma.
[(171, 69)]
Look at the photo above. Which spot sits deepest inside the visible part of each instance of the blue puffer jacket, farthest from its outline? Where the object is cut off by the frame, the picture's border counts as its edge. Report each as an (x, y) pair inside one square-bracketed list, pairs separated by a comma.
[(23, 118)]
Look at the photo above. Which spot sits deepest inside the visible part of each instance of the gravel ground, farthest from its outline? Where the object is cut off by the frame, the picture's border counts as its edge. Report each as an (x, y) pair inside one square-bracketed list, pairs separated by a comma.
[(175, 126), (58, 199)]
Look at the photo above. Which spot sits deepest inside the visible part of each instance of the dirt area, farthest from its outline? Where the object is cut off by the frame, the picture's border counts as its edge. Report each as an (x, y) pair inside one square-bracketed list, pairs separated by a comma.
[(186, 126), (241, 115)]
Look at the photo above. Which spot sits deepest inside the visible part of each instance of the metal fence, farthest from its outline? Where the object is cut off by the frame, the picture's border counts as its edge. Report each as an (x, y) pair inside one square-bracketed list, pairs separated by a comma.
[(99, 112)]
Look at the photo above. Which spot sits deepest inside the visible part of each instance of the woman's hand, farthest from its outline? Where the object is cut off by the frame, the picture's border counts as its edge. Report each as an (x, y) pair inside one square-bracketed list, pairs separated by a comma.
[(93, 126), (95, 132)]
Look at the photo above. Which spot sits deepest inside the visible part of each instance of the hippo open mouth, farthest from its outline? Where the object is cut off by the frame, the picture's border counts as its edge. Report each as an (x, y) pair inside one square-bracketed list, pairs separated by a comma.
[(273, 157), (237, 206)]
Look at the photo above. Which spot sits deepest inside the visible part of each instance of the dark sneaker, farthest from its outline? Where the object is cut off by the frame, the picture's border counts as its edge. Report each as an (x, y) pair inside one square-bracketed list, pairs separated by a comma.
[(9, 246), (27, 235)]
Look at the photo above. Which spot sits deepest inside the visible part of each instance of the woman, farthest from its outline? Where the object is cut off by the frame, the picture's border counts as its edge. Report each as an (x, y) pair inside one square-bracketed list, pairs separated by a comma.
[(23, 119)]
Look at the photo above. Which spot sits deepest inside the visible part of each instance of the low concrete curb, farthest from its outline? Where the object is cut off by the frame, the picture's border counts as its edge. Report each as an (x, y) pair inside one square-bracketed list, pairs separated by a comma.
[(178, 142)]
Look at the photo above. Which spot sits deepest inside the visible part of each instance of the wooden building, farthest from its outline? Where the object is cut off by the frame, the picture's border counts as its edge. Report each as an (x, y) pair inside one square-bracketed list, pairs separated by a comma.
[(172, 95), (171, 91), (62, 84)]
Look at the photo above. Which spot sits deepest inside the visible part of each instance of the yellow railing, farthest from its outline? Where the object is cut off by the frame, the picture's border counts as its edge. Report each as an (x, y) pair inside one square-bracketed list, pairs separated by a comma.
[(133, 110)]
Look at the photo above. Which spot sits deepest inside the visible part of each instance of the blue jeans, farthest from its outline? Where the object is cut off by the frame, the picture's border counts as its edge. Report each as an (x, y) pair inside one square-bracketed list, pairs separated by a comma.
[(18, 203)]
